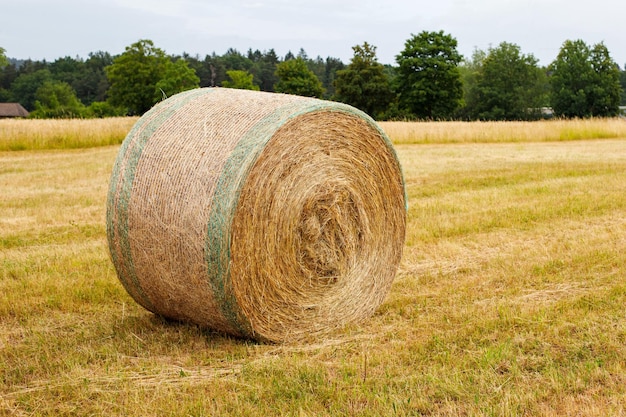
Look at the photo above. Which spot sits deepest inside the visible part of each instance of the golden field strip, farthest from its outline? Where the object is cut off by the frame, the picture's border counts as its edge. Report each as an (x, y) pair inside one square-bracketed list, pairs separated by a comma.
[(37, 134), (493, 132), (509, 300), (24, 134)]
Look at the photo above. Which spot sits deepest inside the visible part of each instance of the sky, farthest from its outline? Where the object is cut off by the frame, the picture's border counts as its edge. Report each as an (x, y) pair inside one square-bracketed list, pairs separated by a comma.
[(52, 29)]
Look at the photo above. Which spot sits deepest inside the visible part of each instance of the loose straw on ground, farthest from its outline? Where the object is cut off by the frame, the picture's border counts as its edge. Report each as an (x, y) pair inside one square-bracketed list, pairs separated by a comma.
[(267, 216)]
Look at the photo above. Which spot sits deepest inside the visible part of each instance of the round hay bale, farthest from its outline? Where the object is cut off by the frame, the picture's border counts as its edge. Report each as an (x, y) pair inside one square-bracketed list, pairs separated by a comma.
[(262, 215)]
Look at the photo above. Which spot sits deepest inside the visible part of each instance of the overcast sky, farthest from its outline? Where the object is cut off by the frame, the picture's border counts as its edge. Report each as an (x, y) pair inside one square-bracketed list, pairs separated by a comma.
[(51, 29)]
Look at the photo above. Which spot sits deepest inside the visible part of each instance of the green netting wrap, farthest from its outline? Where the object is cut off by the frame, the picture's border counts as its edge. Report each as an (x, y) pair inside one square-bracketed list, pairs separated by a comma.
[(268, 216)]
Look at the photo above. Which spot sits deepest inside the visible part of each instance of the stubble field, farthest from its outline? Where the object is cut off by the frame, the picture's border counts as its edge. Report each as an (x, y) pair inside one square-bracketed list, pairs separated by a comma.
[(509, 300)]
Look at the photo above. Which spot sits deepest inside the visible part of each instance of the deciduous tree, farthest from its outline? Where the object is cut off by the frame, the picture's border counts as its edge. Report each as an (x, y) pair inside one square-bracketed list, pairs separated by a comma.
[(508, 85), (143, 75), (241, 80), (584, 81), (133, 76), (176, 77), (26, 85), (606, 94), (57, 99), (295, 78), (364, 83), (429, 80)]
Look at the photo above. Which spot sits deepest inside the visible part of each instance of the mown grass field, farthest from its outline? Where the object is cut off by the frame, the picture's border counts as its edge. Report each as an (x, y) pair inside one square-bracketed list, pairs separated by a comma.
[(509, 300)]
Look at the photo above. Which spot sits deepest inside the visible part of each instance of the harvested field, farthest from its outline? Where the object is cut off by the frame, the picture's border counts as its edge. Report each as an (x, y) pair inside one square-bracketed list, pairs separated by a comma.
[(509, 300)]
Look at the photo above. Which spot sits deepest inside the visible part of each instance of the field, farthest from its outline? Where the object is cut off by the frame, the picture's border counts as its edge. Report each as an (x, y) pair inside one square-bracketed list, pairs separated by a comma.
[(39, 134), (509, 300)]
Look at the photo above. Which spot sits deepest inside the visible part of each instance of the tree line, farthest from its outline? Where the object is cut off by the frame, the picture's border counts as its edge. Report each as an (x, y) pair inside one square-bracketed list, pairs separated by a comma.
[(430, 81)]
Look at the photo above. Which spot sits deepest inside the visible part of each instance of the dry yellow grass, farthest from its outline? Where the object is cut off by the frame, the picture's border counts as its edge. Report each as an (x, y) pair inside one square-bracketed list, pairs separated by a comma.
[(82, 133), (490, 132), (23, 134), (509, 302)]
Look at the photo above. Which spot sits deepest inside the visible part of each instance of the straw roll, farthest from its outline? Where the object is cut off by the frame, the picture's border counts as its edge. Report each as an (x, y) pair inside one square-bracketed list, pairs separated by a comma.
[(267, 216)]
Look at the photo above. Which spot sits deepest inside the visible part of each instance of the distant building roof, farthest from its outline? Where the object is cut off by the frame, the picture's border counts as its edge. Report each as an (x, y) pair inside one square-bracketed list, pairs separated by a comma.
[(12, 110)]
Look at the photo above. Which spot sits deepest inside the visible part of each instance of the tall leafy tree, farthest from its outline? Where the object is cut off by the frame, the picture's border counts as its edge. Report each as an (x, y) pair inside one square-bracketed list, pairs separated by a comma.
[(241, 80), (571, 74), (428, 80), (508, 85), (133, 76), (606, 94), (364, 83), (177, 77), (294, 77), (25, 87), (57, 99), (584, 81), (324, 69), (143, 75)]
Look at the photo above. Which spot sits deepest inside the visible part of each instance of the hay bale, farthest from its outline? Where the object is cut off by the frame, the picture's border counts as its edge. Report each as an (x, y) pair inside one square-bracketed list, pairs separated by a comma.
[(267, 216)]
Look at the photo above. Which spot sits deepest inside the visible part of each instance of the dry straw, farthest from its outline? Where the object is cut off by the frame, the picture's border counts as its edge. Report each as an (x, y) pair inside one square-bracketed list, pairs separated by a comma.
[(267, 216)]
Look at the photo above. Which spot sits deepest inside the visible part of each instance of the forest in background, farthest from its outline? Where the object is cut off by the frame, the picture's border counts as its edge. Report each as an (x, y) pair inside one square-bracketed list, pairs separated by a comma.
[(430, 81)]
